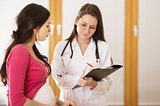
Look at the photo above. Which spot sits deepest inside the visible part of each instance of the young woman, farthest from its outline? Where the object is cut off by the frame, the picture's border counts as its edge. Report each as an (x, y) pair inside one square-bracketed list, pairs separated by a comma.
[(24, 69), (86, 44)]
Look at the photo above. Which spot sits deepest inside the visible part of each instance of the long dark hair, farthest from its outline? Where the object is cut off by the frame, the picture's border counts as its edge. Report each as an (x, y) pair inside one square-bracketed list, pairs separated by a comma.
[(32, 16), (93, 10)]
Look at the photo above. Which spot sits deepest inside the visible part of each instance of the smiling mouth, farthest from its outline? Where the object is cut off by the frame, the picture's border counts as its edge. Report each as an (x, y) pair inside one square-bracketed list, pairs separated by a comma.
[(85, 34)]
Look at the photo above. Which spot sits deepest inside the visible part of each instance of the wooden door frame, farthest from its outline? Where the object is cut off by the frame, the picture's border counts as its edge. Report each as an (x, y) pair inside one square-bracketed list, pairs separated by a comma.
[(55, 7), (131, 53)]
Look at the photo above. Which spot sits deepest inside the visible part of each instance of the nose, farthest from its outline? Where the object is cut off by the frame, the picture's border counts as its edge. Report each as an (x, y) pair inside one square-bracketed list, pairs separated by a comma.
[(87, 30), (49, 30)]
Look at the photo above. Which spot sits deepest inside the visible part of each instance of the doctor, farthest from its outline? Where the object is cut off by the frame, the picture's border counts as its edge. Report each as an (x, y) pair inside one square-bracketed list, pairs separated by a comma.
[(86, 44)]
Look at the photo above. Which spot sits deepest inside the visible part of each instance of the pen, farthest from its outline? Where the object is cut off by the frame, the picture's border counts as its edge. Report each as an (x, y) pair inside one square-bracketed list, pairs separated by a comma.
[(89, 64)]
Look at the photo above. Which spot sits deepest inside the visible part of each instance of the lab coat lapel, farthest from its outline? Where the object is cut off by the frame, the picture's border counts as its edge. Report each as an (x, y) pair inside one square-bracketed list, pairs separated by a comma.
[(90, 49), (76, 48)]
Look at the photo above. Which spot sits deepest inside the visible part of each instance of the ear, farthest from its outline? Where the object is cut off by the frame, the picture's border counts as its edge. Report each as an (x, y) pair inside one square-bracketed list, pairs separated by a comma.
[(35, 30), (76, 21)]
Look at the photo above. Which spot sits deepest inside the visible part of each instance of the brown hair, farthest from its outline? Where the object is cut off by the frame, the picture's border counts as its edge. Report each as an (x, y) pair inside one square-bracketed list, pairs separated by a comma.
[(93, 10), (32, 16)]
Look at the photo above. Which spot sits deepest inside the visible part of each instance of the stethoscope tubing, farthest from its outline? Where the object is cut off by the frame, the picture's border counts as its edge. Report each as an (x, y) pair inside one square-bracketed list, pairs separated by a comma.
[(69, 41)]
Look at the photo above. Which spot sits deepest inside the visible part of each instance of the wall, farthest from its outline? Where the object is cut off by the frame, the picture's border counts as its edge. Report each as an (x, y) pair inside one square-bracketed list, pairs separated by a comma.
[(8, 11), (113, 12), (113, 16), (149, 52)]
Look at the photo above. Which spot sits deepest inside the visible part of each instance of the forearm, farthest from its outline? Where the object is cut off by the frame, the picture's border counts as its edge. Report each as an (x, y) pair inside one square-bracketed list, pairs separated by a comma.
[(103, 86), (30, 102)]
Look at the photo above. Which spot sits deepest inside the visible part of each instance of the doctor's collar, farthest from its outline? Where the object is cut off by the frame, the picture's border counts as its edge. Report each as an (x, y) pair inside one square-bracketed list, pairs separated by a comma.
[(74, 42)]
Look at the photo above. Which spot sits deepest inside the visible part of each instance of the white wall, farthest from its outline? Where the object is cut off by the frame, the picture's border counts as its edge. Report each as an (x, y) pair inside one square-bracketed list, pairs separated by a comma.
[(8, 11), (149, 52), (113, 14)]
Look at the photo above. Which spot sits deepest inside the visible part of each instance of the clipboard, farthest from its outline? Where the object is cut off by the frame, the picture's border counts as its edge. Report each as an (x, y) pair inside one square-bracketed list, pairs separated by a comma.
[(99, 73)]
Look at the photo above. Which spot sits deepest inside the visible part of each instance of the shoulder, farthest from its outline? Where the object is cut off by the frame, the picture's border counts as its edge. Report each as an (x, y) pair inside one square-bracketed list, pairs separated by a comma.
[(103, 47), (103, 44), (18, 54), (19, 50), (61, 44)]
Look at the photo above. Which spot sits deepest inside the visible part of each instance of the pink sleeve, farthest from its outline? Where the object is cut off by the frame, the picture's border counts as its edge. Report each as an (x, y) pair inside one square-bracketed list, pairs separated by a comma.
[(18, 62)]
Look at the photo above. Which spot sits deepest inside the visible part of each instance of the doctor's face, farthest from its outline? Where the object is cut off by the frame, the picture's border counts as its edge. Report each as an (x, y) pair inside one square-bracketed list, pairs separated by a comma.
[(86, 26)]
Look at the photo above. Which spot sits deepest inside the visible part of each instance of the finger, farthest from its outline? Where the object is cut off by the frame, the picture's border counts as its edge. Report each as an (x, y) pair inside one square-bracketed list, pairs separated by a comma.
[(72, 103), (55, 101), (56, 98), (82, 76), (82, 81)]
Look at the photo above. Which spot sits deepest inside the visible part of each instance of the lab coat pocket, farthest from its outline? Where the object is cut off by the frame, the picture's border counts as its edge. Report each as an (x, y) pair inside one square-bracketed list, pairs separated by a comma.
[(98, 102), (67, 95)]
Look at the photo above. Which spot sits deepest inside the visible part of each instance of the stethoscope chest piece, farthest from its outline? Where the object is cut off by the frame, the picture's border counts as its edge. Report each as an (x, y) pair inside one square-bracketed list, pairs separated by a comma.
[(99, 61)]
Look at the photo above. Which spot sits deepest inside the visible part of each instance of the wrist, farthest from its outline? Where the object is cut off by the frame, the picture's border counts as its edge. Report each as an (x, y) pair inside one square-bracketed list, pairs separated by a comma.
[(93, 85)]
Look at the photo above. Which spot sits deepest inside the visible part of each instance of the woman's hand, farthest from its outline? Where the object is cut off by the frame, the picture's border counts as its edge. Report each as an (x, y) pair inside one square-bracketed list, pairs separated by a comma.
[(54, 102), (57, 102), (69, 103), (87, 81)]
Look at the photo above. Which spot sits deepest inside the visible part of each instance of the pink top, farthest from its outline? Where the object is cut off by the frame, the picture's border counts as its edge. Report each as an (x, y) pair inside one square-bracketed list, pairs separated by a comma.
[(25, 75)]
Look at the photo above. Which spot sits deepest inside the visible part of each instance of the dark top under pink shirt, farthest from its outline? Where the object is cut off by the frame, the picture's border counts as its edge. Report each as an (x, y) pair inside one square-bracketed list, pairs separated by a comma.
[(25, 75)]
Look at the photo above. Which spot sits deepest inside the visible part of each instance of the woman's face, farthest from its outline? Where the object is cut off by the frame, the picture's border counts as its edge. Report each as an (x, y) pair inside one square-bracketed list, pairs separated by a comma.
[(86, 26), (44, 31)]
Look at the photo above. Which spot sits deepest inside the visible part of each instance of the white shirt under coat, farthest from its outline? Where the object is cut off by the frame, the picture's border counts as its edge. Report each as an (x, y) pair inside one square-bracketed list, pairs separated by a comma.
[(82, 96)]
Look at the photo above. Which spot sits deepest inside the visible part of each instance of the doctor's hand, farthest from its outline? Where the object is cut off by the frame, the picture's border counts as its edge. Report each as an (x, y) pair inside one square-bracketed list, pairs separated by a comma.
[(92, 68), (87, 81)]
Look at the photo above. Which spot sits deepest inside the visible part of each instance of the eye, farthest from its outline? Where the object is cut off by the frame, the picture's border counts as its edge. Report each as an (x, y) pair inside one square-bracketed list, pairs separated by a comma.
[(92, 27), (48, 26), (83, 25)]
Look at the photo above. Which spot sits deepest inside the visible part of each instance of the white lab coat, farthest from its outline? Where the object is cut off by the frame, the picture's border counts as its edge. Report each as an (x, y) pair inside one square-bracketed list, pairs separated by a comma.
[(77, 66)]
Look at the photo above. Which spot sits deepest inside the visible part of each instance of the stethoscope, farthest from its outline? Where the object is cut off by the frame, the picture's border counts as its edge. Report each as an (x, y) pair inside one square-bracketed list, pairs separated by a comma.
[(98, 60)]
